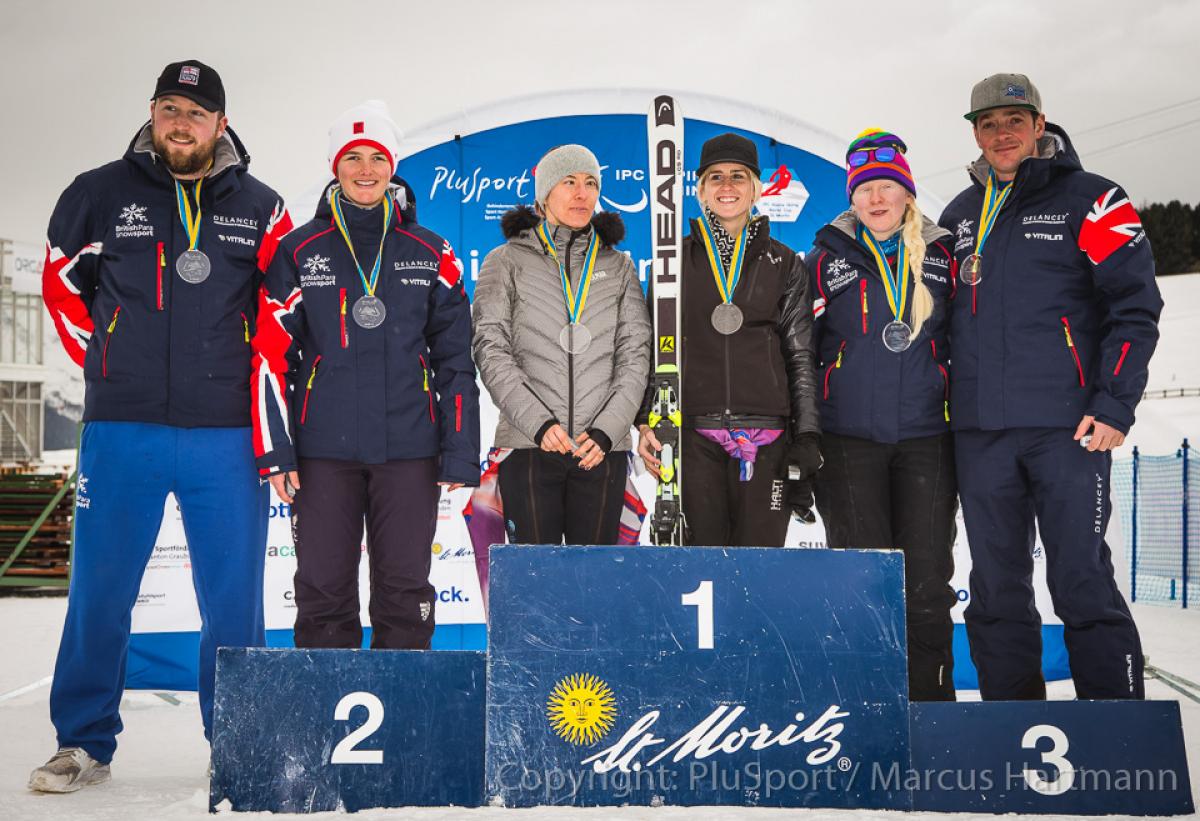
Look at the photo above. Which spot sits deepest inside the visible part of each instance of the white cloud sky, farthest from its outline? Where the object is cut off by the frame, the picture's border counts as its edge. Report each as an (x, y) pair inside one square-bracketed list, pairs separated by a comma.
[(75, 77)]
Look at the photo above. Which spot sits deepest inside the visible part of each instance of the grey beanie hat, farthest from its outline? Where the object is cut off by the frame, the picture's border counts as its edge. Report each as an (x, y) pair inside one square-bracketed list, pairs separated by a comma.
[(562, 162)]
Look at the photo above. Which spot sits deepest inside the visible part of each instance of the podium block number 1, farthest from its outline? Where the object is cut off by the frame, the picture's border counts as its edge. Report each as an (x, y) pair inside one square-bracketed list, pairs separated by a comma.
[(701, 599), (345, 752)]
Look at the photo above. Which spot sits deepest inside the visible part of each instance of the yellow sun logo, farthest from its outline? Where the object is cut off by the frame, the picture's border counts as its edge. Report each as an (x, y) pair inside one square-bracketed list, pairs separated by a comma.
[(581, 709)]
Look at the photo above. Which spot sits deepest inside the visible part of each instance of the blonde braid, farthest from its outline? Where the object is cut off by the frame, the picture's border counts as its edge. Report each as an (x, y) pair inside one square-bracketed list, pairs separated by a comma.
[(922, 299)]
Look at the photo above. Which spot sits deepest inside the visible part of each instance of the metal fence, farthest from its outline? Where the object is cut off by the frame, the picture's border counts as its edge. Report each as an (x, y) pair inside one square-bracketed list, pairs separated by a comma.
[(1159, 502)]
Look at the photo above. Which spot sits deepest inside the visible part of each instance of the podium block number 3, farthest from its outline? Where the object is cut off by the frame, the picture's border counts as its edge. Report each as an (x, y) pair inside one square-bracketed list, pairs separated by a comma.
[(701, 599), (345, 752), (1053, 757)]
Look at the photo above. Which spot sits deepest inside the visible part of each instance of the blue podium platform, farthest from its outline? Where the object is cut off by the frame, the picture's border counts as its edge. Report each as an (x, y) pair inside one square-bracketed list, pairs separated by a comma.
[(319, 730), (695, 676), (673, 676)]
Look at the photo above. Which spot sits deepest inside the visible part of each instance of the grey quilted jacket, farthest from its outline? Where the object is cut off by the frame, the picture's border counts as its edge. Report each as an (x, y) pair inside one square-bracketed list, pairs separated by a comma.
[(520, 309)]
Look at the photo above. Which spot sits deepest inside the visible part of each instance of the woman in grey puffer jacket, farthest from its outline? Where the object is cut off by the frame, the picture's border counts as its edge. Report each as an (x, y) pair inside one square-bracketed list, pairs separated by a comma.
[(562, 341)]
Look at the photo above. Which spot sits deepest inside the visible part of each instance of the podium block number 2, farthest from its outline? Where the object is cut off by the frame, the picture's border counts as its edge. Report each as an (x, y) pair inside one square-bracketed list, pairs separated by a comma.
[(701, 599), (345, 752), (1053, 757)]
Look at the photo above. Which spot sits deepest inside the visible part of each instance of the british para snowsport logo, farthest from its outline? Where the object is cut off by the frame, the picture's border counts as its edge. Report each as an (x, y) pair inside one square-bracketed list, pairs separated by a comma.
[(135, 224)]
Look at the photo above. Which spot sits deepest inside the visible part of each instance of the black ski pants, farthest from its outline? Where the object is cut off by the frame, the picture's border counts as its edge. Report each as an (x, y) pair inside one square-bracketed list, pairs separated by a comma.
[(1008, 479), (549, 499), (722, 510), (399, 501), (901, 496)]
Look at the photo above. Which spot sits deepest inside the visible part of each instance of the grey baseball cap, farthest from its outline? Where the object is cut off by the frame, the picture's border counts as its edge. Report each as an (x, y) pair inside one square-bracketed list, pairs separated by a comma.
[(1004, 91)]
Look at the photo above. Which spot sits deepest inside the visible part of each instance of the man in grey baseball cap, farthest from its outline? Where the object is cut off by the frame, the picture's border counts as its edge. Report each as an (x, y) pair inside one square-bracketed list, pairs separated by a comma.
[(1052, 328), (1002, 91)]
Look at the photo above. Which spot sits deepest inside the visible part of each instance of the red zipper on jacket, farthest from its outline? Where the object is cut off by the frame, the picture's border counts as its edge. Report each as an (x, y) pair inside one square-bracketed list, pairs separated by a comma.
[(108, 338), (457, 412), (160, 263), (1074, 353), (945, 380), (428, 393), (308, 389), (835, 364), (862, 289), (342, 314), (1124, 350)]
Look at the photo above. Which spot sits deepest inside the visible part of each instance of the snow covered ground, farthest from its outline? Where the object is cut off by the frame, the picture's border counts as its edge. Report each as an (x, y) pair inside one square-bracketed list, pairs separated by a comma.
[(159, 773)]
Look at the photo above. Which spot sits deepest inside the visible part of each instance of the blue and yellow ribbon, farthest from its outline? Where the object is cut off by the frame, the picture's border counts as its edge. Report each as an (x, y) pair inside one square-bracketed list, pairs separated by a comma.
[(895, 283), (727, 281), (576, 297), (191, 223), (340, 220), (993, 201)]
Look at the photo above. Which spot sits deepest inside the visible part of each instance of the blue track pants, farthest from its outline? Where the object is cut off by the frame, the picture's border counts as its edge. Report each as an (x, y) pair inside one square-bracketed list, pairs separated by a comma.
[(126, 470)]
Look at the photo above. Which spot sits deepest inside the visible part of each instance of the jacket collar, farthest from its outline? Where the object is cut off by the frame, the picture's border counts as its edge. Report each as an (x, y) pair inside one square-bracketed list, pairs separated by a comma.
[(847, 224), (518, 224), (1055, 156), (230, 156)]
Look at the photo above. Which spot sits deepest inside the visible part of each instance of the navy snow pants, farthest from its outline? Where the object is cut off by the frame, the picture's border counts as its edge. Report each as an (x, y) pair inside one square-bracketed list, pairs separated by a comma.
[(1006, 479), (126, 470), (399, 501)]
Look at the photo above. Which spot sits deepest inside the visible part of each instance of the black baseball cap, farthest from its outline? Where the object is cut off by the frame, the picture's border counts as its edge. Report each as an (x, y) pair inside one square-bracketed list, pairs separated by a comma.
[(192, 79), (729, 147)]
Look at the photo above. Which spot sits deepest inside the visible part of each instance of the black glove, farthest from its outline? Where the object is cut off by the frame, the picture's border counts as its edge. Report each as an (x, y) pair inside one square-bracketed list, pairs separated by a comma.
[(805, 454), (800, 500)]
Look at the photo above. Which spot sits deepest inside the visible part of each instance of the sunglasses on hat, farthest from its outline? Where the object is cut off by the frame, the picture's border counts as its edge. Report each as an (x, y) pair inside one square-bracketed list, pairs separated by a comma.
[(859, 158)]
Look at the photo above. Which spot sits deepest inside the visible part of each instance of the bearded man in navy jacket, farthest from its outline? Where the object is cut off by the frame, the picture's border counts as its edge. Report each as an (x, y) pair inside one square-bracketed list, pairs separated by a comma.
[(1054, 321), (153, 264)]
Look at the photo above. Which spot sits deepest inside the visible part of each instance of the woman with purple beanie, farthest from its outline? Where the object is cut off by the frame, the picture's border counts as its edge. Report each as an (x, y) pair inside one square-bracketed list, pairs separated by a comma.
[(882, 275)]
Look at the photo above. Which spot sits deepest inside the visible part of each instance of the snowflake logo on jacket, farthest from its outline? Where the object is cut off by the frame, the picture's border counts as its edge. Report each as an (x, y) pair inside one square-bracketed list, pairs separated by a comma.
[(316, 264), (133, 213), (964, 229), (837, 266)]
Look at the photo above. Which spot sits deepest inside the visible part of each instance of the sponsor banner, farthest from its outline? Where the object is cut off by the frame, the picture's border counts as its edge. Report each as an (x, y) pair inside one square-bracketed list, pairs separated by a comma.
[(167, 603), (24, 266), (463, 187), (695, 676)]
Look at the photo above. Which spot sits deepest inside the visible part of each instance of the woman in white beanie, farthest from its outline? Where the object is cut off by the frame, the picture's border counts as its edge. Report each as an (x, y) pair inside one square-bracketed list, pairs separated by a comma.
[(364, 394), (562, 340)]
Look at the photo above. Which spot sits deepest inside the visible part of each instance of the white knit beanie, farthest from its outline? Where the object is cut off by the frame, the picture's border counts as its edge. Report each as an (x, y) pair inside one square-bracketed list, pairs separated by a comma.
[(366, 124)]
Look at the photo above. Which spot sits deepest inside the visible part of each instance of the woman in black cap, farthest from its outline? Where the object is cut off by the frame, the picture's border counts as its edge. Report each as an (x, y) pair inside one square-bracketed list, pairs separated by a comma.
[(749, 391)]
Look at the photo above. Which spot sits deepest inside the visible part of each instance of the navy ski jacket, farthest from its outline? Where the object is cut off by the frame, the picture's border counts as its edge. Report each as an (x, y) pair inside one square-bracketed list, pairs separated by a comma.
[(153, 347), (1065, 318), (325, 388), (866, 390)]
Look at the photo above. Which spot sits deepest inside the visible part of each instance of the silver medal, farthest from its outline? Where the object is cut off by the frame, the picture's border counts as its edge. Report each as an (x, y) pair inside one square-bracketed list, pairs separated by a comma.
[(369, 311), (897, 336), (727, 318), (971, 271), (193, 266), (574, 338)]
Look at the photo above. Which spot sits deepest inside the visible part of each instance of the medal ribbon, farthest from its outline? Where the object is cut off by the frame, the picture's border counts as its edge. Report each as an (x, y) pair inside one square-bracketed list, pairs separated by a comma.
[(340, 220), (190, 224), (993, 201), (576, 298), (895, 283), (726, 280)]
